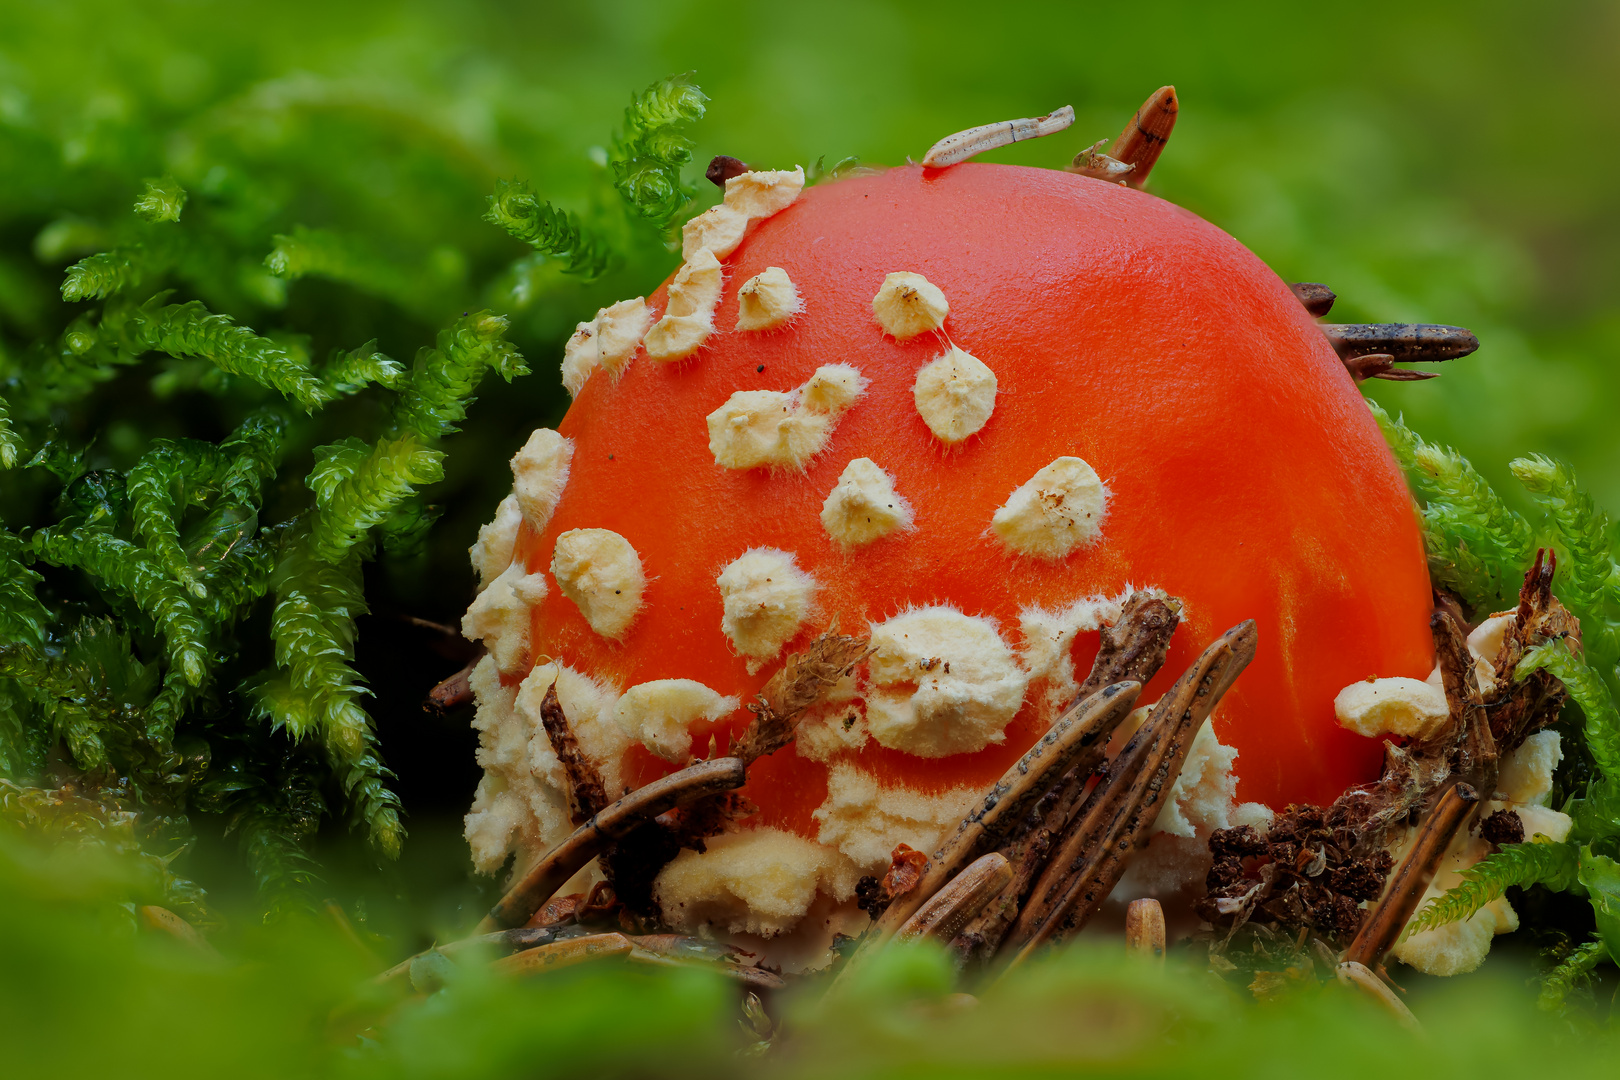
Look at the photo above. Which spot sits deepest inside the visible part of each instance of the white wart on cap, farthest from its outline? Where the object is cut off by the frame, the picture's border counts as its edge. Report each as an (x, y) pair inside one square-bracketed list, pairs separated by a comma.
[(909, 304), (601, 573), (1054, 512)]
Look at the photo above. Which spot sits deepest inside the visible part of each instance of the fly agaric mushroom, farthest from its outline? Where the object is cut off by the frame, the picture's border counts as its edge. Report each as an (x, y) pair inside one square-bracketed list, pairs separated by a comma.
[(964, 410)]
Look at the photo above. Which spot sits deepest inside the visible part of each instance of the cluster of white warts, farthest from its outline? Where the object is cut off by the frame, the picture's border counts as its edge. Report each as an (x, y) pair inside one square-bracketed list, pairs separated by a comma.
[(939, 682)]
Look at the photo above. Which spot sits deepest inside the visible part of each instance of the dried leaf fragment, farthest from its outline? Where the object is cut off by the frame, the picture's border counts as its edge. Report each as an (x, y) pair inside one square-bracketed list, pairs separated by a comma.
[(801, 682)]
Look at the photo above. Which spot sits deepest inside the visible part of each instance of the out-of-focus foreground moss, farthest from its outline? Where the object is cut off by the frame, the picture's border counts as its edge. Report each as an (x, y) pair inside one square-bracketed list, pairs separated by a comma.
[(83, 993)]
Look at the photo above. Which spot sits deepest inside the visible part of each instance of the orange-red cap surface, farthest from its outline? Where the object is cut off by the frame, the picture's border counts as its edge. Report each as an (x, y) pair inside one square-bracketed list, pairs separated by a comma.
[(1246, 474)]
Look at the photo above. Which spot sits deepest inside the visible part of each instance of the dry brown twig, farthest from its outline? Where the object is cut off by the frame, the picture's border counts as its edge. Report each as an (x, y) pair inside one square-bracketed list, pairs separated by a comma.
[(1388, 917), (453, 691), (1116, 818), (635, 809), (563, 954), (1133, 649), (1403, 342), (949, 909), (1076, 741)]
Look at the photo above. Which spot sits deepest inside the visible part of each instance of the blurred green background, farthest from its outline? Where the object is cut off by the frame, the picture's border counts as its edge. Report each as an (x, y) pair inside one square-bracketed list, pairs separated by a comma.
[(1430, 162), (1445, 162)]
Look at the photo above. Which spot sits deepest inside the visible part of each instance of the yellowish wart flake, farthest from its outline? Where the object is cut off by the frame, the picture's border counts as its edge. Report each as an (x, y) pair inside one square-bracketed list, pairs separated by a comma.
[(1397, 706), (719, 228), (941, 683), (659, 714), (767, 300), (863, 506), (909, 304), (766, 599), (499, 616), (758, 882), (601, 573), (492, 552), (1057, 510), (689, 316), (865, 819), (764, 192), (955, 395), (607, 342), (782, 428), (539, 474)]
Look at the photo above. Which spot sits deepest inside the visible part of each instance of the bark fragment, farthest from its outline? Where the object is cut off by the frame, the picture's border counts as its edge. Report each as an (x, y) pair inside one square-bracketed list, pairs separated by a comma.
[(1403, 342), (1520, 709), (1315, 298), (722, 168), (586, 794), (907, 866), (1146, 133)]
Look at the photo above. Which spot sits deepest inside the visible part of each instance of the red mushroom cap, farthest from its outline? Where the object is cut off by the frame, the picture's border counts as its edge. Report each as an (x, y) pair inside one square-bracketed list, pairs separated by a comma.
[(1245, 473)]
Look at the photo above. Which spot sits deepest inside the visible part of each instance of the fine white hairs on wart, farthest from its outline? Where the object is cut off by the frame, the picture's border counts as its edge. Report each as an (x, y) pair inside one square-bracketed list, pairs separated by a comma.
[(1057, 510), (689, 314), (941, 683), (659, 714), (750, 197), (766, 598), (601, 573), (606, 342), (976, 140), (767, 300), (499, 616), (909, 304), (955, 395), (863, 506), (539, 474), (782, 428), (492, 552)]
